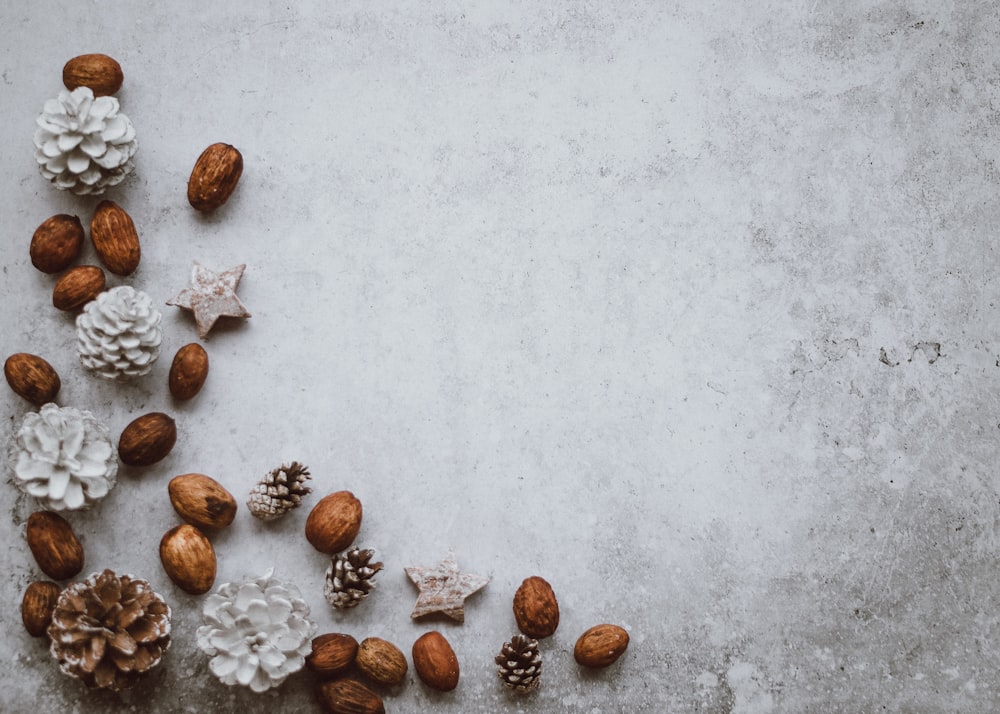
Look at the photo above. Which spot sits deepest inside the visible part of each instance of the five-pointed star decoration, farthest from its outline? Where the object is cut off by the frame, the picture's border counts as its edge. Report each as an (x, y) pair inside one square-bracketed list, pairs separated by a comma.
[(444, 589), (211, 295)]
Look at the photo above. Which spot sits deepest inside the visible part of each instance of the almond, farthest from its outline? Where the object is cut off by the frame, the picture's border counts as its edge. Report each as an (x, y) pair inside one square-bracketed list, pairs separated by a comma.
[(147, 439), (202, 501), (77, 287), (382, 661), (32, 378), (188, 371), (115, 238), (332, 653), (37, 604), (101, 73), (435, 661), (55, 546), (188, 558), (347, 696), (214, 177), (56, 243), (600, 646), (535, 608), (334, 522)]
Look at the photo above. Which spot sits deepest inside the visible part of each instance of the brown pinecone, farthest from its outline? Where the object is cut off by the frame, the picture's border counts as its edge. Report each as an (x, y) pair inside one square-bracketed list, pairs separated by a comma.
[(519, 664), (349, 578), (108, 630), (279, 492)]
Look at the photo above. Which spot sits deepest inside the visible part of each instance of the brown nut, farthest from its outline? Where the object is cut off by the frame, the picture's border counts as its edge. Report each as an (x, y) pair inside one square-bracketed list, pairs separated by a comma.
[(435, 661), (214, 177), (32, 378), (331, 653), (77, 287), (37, 604), (202, 501), (347, 696), (188, 371), (55, 546), (188, 558), (115, 238), (101, 73), (600, 646), (334, 522), (535, 608), (382, 661), (56, 243), (147, 439)]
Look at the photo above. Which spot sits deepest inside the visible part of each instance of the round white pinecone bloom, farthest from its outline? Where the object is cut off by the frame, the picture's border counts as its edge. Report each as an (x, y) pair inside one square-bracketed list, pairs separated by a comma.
[(118, 334), (82, 143), (257, 632), (63, 457)]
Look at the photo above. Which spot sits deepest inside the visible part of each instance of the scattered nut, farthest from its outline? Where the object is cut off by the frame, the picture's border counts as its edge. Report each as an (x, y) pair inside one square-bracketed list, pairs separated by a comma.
[(214, 177), (101, 73), (382, 661), (188, 371), (56, 243), (331, 653), (188, 559), (32, 378), (202, 501), (147, 439), (77, 287), (535, 608), (55, 546), (37, 604), (115, 238), (347, 696), (435, 661), (600, 646), (334, 522)]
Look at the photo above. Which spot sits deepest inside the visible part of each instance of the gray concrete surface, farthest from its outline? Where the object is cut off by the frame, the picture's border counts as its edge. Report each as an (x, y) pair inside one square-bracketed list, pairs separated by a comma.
[(688, 307)]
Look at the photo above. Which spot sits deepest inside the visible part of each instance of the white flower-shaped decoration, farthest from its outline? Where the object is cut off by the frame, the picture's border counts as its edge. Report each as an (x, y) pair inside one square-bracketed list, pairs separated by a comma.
[(63, 457), (257, 632), (82, 143), (118, 333)]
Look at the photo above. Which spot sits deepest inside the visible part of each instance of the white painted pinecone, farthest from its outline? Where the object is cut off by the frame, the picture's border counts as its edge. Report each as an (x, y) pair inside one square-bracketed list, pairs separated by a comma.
[(256, 632), (118, 334), (63, 457), (84, 144)]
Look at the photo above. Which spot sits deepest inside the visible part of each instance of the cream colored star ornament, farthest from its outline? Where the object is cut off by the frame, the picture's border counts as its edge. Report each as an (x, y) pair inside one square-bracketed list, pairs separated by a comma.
[(444, 589), (211, 295)]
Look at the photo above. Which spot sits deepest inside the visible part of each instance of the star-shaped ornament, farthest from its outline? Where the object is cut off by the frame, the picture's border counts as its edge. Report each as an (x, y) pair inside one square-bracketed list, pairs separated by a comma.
[(211, 295), (444, 589)]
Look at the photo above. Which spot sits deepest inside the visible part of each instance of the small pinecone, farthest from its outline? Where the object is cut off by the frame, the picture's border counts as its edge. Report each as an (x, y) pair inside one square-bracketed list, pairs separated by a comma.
[(349, 578), (118, 334), (519, 664), (279, 492), (109, 630)]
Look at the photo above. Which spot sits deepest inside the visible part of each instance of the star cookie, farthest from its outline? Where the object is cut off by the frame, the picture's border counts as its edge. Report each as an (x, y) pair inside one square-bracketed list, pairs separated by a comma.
[(211, 295), (444, 589)]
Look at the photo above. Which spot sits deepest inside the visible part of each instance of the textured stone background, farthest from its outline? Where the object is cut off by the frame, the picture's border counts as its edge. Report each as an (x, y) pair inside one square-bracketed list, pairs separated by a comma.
[(689, 307)]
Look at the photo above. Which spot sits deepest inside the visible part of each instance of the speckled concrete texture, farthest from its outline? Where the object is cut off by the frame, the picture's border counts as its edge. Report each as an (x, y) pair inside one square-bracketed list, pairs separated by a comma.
[(688, 307)]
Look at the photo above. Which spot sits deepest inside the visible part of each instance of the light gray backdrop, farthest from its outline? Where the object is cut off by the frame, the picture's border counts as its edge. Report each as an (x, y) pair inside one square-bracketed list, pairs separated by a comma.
[(688, 307)]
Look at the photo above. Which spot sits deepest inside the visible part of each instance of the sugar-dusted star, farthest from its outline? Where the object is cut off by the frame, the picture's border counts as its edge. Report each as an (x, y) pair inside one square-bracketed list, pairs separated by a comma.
[(444, 589), (211, 295)]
